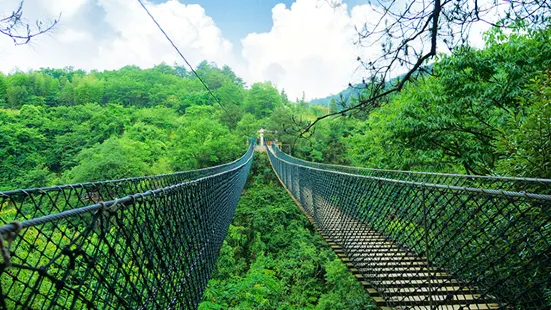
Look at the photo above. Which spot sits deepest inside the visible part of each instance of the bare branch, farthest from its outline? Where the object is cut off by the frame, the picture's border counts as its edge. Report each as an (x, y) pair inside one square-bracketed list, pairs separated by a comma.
[(409, 35), (22, 32)]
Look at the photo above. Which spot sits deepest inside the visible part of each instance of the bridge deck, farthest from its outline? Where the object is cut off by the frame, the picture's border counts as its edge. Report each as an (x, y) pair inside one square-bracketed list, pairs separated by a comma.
[(393, 276), (403, 279)]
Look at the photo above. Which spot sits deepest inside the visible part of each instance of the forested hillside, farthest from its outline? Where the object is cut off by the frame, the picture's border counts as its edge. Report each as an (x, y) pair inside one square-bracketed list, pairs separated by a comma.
[(480, 112), (65, 125)]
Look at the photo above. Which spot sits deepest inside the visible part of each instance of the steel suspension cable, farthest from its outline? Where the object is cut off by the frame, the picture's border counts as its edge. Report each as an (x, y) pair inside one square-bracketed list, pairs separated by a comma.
[(542, 186)]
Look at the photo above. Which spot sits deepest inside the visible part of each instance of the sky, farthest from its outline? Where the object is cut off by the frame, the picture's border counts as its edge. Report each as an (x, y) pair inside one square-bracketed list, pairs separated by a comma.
[(302, 46)]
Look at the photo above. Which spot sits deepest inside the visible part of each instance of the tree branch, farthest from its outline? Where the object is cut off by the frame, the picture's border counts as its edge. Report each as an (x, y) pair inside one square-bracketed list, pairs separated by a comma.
[(11, 26)]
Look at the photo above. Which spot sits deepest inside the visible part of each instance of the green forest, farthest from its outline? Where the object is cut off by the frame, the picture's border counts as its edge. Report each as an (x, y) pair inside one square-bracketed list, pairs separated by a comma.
[(483, 112)]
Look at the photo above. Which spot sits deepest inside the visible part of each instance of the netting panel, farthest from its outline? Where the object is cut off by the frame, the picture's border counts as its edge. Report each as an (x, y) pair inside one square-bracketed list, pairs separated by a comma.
[(529, 185)]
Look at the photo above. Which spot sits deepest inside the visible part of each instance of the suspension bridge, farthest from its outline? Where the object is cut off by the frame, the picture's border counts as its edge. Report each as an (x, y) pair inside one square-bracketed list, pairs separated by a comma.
[(414, 240)]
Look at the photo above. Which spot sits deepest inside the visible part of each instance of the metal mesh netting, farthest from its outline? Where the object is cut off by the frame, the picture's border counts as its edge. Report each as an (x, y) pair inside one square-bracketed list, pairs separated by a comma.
[(65, 197), (531, 185), (430, 245), (140, 243)]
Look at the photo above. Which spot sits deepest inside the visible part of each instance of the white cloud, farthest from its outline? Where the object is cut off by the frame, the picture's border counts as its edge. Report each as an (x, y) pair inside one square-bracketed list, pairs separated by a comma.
[(71, 35), (139, 41), (67, 7), (109, 34), (309, 48)]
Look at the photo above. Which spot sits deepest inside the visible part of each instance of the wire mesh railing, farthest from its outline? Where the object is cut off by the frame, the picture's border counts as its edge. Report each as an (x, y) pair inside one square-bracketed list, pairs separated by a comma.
[(139, 243), (56, 199), (429, 245), (530, 185)]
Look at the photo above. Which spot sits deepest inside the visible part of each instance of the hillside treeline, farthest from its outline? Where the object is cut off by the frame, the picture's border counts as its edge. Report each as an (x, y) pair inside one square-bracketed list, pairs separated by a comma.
[(66, 125), (478, 112)]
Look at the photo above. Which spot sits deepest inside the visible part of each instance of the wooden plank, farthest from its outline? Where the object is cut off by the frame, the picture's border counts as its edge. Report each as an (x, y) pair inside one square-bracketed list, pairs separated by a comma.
[(411, 291), (396, 268), (479, 306), (391, 256), (408, 276), (384, 284), (435, 301), (379, 301), (444, 298), (372, 292)]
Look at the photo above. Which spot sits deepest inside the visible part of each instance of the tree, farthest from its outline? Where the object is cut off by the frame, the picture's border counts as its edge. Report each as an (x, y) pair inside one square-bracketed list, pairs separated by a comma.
[(333, 106), (88, 89), (287, 126), (65, 96), (21, 32), (202, 141), (115, 158), (262, 99), (411, 34), (529, 145), (466, 117), (228, 72), (231, 95), (284, 97), (248, 125), (22, 161), (210, 74), (3, 89)]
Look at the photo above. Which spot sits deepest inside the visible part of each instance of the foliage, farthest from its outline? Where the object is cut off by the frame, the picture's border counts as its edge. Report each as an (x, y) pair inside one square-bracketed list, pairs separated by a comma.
[(262, 99), (463, 117), (406, 37), (115, 158), (528, 147), (479, 112), (70, 126), (66, 125), (202, 141)]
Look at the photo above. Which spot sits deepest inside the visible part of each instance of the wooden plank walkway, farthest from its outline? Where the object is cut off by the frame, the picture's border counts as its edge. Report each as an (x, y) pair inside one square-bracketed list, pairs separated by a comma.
[(395, 278)]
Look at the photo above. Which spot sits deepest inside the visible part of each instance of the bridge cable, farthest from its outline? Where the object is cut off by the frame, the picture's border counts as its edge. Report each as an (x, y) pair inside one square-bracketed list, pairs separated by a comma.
[(183, 57)]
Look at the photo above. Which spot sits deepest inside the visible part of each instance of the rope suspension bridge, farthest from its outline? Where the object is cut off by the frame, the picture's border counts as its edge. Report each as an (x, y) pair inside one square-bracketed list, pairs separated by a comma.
[(414, 240)]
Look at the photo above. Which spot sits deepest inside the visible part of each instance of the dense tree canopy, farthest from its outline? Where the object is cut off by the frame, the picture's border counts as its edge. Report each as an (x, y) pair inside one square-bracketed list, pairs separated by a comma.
[(67, 125), (273, 258), (462, 118)]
